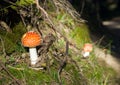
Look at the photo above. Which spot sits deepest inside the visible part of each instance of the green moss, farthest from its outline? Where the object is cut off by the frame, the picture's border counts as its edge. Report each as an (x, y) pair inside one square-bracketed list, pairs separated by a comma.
[(75, 76), (30, 76), (7, 39), (10, 40), (24, 2), (80, 34)]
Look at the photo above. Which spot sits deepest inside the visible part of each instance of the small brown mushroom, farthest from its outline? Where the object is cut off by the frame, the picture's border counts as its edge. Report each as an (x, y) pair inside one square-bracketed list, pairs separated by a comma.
[(87, 49)]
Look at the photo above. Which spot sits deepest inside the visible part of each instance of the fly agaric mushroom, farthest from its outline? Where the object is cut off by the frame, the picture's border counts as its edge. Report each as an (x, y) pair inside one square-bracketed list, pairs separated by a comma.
[(31, 39), (87, 49)]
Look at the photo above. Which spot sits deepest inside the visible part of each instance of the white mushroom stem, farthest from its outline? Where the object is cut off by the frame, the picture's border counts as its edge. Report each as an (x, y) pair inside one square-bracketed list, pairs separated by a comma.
[(86, 54), (33, 56)]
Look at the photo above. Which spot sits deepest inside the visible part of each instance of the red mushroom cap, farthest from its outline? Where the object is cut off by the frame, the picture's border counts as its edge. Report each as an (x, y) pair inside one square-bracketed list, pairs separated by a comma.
[(87, 47), (31, 39)]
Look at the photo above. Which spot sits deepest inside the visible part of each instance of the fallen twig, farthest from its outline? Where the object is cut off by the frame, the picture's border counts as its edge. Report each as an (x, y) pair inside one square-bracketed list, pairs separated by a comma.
[(3, 46), (63, 63), (5, 26)]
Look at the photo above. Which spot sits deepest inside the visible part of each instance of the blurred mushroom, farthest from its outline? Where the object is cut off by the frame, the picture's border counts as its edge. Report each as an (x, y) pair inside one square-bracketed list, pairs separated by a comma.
[(31, 39), (87, 49)]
